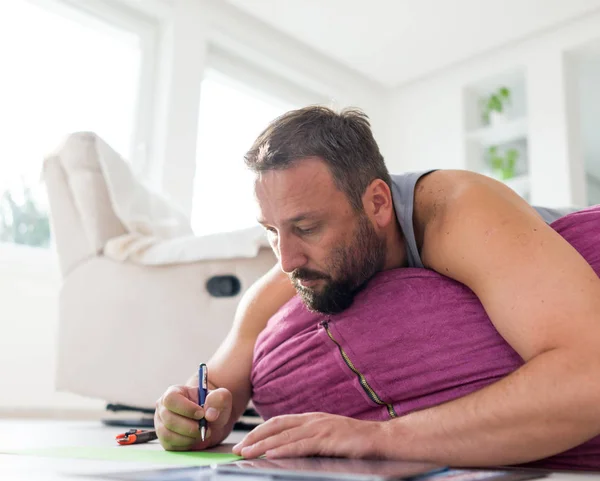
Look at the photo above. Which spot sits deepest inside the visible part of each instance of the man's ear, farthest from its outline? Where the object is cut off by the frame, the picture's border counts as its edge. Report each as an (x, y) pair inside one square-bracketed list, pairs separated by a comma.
[(378, 203)]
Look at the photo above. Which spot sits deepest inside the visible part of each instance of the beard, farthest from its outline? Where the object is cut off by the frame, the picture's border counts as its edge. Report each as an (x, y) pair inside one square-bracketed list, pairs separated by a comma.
[(352, 266)]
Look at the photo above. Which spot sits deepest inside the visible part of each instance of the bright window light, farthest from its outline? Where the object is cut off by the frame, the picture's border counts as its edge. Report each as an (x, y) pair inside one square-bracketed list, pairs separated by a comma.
[(62, 71), (231, 117), (61, 74)]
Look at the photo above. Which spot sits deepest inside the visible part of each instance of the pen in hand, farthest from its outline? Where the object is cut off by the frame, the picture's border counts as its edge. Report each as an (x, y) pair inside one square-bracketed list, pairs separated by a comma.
[(202, 390)]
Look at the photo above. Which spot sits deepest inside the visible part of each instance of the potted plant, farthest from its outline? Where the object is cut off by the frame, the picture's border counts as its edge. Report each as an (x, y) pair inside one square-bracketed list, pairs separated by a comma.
[(23, 220), (503, 165), (494, 106)]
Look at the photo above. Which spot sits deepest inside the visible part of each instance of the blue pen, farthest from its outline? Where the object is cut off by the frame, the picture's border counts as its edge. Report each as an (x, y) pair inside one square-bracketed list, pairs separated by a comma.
[(202, 391)]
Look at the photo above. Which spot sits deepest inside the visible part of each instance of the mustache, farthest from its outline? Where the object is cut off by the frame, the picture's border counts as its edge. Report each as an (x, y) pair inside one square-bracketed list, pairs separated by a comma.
[(307, 275)]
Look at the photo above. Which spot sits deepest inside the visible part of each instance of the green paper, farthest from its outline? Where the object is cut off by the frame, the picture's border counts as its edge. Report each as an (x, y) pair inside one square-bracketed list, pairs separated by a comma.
[(129, 453)]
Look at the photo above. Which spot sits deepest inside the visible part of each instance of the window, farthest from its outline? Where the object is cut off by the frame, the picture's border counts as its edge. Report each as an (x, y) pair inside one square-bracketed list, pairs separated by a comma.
[(62, 71), (231, 117)]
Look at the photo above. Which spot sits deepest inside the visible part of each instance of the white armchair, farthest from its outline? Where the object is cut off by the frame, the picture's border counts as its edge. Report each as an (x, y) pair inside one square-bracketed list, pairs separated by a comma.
[(128, 330)]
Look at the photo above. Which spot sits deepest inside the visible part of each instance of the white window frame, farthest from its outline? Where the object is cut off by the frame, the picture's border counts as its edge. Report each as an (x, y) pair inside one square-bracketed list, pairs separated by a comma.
[(115, 14)]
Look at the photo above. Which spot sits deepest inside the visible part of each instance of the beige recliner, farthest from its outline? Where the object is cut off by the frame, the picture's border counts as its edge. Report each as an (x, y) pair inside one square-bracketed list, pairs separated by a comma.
[(127, 330)]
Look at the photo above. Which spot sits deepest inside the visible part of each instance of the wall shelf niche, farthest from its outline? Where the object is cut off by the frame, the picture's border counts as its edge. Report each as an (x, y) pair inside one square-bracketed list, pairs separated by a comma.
[(500, 136)]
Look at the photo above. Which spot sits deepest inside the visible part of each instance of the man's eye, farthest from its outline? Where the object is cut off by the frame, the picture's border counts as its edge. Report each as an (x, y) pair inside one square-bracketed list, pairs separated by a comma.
[(270, 230), (305, 231)]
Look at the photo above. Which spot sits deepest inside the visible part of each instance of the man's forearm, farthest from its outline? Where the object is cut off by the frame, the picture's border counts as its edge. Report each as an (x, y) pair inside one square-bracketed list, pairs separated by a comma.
[(547, 406)]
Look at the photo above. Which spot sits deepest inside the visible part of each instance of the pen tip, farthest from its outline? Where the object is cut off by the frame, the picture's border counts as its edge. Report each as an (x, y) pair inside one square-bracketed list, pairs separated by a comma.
[(202, 432)]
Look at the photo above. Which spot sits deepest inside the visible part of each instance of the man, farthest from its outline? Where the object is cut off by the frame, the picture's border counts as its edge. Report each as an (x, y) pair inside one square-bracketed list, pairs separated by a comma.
[(335, 218)]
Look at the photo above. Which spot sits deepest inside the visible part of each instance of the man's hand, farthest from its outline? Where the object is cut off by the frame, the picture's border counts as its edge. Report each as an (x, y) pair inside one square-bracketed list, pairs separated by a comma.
[(311, 434), (177, 415)]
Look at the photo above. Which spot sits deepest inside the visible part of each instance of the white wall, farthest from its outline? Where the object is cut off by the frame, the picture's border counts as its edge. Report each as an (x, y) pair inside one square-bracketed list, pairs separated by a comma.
[(426, 121)]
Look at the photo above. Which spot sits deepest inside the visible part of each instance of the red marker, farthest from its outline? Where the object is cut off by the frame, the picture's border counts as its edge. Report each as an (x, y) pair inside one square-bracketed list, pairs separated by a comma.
[(136, 436)]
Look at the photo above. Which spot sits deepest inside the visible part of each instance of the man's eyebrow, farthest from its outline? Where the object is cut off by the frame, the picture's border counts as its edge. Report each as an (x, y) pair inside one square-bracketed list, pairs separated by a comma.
[(293, 220), (303, 216)]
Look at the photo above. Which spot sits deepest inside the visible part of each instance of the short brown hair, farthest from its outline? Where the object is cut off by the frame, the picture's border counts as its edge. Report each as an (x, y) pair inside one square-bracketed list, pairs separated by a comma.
[(343, 140)]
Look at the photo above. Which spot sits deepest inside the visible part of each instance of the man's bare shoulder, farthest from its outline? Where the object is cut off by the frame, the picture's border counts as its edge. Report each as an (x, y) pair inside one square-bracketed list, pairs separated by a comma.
[(433, 190), (433, 193)]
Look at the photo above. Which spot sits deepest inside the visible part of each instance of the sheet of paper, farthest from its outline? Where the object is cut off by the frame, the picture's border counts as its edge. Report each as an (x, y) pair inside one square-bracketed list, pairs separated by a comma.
[(131, 453)]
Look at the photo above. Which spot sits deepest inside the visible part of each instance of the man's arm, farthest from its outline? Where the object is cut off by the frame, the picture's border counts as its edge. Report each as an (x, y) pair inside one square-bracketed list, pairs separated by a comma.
[(228, 370), (540, 410), (544, 299), (230, 367)]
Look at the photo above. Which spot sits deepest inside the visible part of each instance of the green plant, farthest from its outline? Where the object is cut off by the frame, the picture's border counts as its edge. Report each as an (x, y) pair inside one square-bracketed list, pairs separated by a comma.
[(23, 221), (503, 165), (496, 102)]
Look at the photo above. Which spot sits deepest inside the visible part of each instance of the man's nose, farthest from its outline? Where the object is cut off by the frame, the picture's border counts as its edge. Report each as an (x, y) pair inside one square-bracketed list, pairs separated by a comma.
[(291, 256)]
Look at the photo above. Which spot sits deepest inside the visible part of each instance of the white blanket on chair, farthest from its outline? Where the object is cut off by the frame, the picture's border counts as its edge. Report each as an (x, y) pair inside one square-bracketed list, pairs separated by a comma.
[(141, 210), (158, 232), (149, 250)]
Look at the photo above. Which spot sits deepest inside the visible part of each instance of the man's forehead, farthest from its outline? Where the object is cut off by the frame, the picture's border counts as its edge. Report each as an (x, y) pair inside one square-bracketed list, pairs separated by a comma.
[(310, 171), (306, 188), (305, 179)]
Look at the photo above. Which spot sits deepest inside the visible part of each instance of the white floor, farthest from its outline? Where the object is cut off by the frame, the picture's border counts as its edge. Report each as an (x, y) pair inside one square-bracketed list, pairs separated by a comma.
[(30, 434), (18, 434)]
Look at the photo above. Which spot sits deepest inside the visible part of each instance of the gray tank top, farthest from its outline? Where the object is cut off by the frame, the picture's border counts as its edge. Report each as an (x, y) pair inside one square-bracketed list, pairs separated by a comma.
[(403, 194)]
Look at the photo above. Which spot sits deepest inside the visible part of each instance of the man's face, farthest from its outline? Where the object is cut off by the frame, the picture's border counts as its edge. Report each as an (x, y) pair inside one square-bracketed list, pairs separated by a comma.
[(328, 250)]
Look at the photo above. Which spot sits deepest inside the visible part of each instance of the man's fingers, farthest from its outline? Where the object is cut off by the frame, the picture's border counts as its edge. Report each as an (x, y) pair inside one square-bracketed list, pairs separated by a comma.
[(269, 428), (272, 443), (170, 440), (177, 415), (218, 406), (176, 400), (179, 424), (301, 448)]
